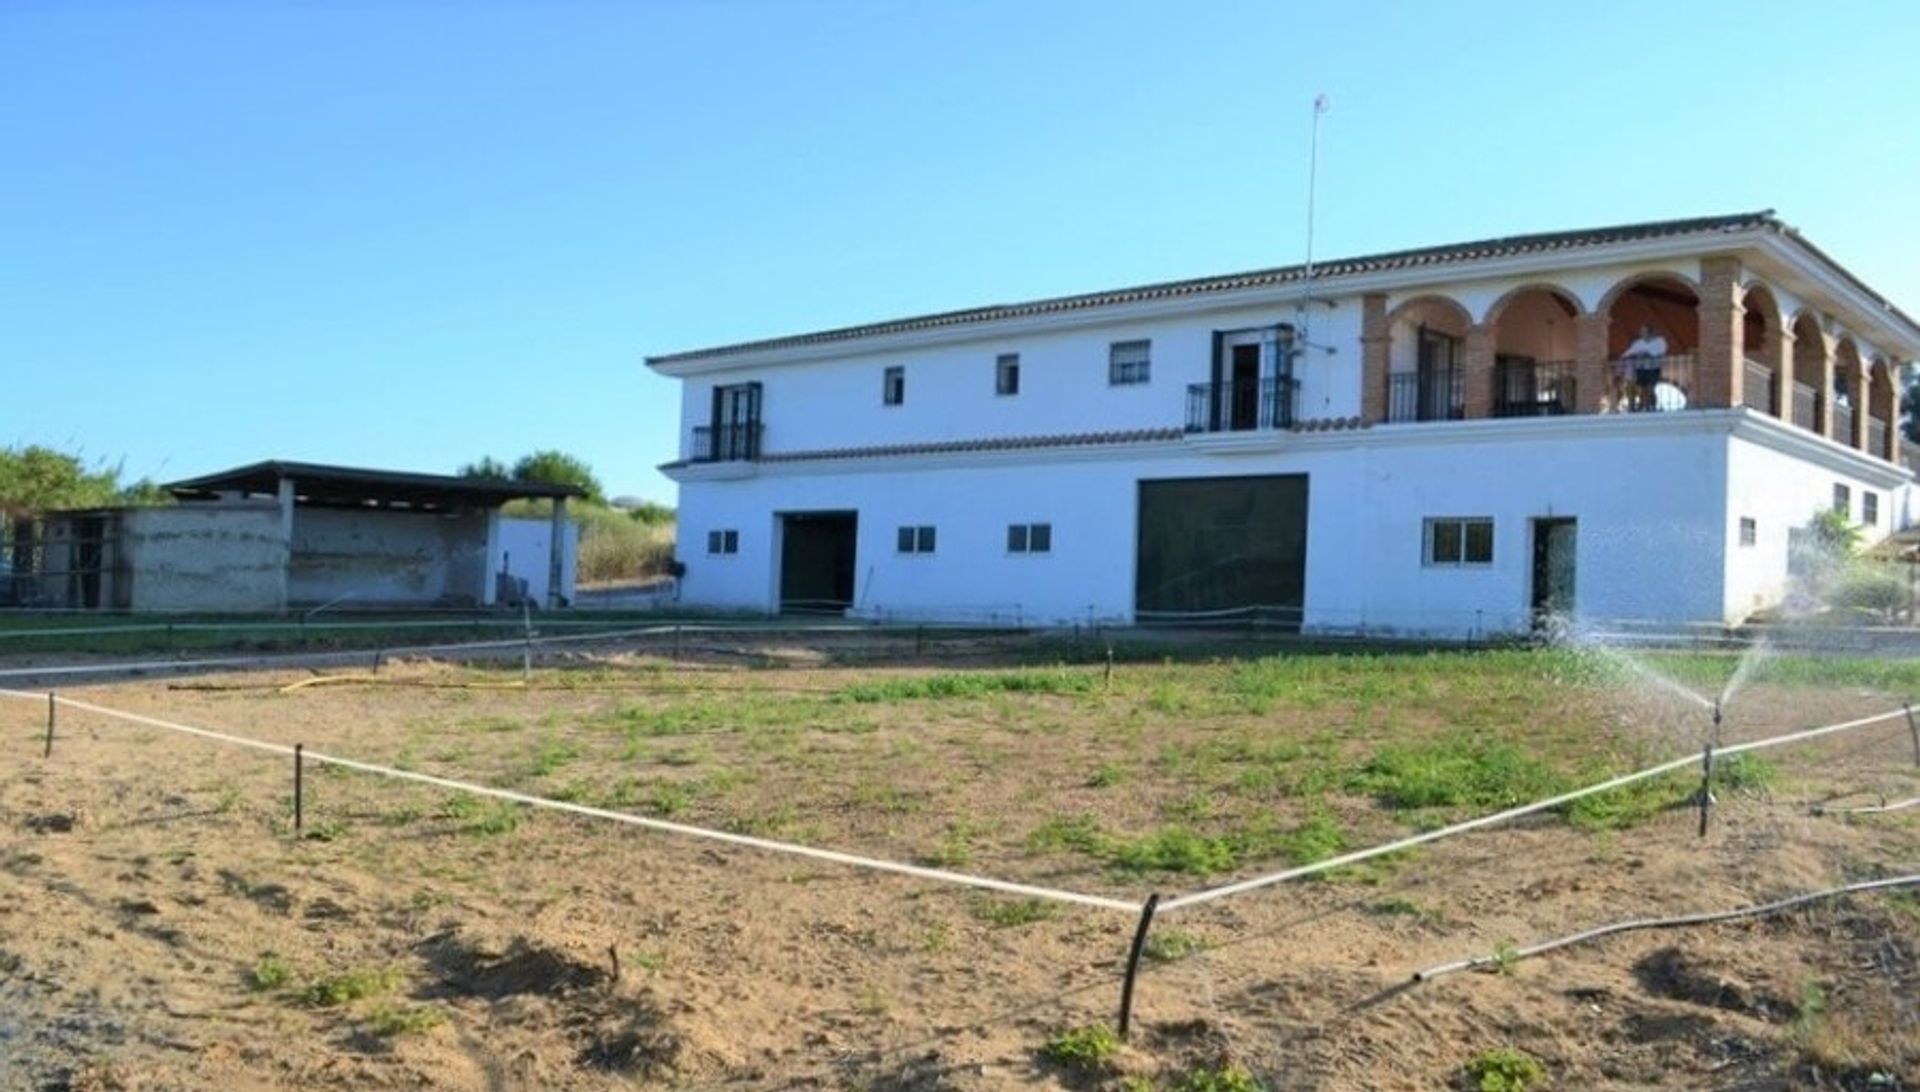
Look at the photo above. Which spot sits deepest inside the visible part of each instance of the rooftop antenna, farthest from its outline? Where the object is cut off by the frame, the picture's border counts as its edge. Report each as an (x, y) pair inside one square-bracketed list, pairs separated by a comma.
[(1321, 104)]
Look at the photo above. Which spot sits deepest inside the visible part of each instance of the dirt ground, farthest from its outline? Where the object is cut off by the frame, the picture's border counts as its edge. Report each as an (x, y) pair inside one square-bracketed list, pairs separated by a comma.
[(162, 928)]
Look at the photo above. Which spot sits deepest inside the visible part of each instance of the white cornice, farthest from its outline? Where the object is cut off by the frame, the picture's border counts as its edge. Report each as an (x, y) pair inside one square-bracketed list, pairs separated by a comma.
[(1744, 423)]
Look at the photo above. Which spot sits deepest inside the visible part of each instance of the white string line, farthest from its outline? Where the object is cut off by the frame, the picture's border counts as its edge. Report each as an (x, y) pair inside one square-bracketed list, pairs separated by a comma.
[(1868, 809), (1344, 859), (1708, 918), (747, 841)]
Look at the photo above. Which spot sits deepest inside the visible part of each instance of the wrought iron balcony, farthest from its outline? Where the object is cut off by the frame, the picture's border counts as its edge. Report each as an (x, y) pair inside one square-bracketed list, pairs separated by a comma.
[(1806, 407), (726, 443), (1426, 396), (1533, 389), (1758, 391), (1843, 422), (1877, 436), (1241, 407)]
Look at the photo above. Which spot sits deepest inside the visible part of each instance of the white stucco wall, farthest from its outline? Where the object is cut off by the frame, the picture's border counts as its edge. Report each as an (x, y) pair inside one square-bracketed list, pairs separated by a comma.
[(383, 556), (522, 547), (1648, 493)]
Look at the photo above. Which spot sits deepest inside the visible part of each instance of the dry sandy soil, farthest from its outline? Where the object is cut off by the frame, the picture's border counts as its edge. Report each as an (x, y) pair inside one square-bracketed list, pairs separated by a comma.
[(161, 928)]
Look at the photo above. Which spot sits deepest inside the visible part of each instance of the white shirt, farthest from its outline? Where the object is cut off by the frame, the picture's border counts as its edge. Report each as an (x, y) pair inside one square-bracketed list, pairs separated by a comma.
[(1652, 345)]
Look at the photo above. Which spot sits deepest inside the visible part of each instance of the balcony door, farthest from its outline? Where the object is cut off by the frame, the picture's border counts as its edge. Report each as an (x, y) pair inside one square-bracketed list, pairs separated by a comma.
[(1250, 369), (1439, 376), (736, 421)]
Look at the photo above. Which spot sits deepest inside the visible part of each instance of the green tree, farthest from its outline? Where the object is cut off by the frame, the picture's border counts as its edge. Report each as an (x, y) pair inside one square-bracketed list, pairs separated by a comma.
[(37, 478), (559, 468), (489, 468)]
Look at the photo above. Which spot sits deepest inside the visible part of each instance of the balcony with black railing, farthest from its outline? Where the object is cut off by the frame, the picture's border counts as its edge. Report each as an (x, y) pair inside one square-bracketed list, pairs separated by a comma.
[(1876, 435), (726, 443), (1525, 388), (1806, 406), (1843, 421), (1426, 396), (1242, 406)]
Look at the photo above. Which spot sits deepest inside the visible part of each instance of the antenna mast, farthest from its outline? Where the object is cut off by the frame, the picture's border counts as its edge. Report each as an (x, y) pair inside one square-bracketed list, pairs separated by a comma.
[(1321, 104)]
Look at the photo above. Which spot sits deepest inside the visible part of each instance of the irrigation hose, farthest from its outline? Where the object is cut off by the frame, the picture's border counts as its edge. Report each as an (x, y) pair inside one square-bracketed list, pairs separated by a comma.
[(1869, 809), (1510, 956)]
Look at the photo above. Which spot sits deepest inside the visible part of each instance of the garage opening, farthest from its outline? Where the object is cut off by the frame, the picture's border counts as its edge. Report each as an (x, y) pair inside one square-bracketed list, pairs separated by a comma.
[(817, 561), (1231, 548)]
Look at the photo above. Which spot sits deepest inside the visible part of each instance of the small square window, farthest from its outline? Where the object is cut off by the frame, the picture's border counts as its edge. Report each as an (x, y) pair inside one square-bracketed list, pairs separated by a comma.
[(723, 542), (1749, 531), (1870, 508), (893, 386), (1842, 499), (926, 540), (1453, 542), (1029, 538), (1006, 374), (1129, 362), (905, 544), (915, 540)]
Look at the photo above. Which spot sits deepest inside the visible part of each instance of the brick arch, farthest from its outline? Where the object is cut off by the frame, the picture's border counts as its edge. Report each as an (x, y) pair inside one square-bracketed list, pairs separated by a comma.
[(1629, 283), (1762, 314), (1431, 298), (1565, 295)]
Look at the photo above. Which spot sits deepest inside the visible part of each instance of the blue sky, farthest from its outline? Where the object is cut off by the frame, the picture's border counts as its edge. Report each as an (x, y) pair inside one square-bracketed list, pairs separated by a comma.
[(412, 234)]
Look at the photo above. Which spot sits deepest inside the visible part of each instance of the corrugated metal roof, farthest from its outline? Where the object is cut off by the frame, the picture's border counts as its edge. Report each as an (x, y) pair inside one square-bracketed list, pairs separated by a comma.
[(1478, 250), (354, 485)]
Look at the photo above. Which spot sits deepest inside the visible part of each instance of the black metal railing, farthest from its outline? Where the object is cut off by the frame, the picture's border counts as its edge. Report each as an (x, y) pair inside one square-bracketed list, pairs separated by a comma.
[(1426, 396), (1877, 436), (1758, 392), (726, 443), (1241, 406), (1653, 384), (1843, 422), (1806, 407), (1534, 388)]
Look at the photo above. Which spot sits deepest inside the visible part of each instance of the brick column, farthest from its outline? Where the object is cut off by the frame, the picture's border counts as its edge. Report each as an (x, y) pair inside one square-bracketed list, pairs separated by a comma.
[(1861, 384), (1590, 368), (1823, 398), (1375, 341), (1782, 361), (1719, 374), (1477, 371), (1892, 453)]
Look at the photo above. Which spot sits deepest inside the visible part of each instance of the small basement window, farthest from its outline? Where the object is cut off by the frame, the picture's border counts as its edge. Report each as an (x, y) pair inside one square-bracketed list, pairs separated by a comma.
[(1749, 531), (916, 540), (1459, 541), (1842, 499), (1870, 508), (1030, 538), (893, 386), (723, 542)]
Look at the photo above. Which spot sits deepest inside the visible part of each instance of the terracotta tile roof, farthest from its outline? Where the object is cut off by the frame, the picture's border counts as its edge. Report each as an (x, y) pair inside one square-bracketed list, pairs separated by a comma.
[(1482, 249), (949, 447)]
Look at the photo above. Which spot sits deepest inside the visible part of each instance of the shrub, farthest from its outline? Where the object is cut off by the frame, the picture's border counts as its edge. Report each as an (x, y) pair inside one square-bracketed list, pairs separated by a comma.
[(1871, 588), (1458, 770), (617, 546), (351, 986), (1086, 1050), (271, 973), (1505, 1069), (1229, 1079)]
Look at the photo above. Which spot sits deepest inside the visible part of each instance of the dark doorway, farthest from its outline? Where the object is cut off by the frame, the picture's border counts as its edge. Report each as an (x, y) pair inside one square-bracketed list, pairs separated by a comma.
[(1554, 542), (817, 561), (1234, 548), (1243, 377), (89, 557)]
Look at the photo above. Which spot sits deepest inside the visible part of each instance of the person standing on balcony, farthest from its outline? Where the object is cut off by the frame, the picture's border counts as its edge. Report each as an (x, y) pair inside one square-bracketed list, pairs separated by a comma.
[(1643, 358)]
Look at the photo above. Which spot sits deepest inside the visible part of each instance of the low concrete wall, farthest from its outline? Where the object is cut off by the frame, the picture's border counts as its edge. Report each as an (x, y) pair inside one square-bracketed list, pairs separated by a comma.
[(376, 556), (224, 557)]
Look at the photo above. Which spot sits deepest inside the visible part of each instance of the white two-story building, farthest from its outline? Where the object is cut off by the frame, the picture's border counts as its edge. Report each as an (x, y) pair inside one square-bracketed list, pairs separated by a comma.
[(1622, 423)]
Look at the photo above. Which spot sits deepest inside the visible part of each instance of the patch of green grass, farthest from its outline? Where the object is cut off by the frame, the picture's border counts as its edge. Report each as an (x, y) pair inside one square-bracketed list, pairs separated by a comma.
[(550, 756), (1505, 1069), (1231, 1078), (970, 685), (500, 817), (1173, 849), (389, 1021), (1461, 769), (331, 830), (1400, 906), (1107, 776), (1181, 849), (350, 986), (1088, 1049), (270, 972), (954, 850), (670, 798), (1171, 944), (1007, 913), (461, 807), (402, 816)]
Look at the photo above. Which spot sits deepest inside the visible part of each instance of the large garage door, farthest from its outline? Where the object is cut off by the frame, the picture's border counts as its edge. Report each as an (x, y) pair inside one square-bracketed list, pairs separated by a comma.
[(1223, 544)]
